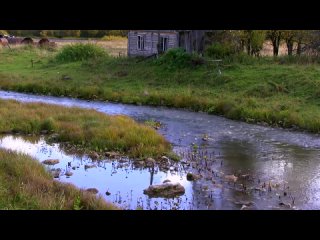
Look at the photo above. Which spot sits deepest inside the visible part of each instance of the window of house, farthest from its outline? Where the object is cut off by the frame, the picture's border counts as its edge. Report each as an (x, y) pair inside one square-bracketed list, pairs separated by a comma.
[(141, 40), (164, 43)]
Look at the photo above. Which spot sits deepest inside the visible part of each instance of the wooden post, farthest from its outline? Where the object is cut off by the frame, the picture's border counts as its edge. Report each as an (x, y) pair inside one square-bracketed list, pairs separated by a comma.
[(32, 63)]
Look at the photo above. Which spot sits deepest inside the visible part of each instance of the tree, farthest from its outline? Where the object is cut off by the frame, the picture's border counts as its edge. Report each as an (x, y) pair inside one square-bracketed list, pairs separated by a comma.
[(89, 33), (250, 40), (289, 36), (307, 39), (47, 33), (275, 37)]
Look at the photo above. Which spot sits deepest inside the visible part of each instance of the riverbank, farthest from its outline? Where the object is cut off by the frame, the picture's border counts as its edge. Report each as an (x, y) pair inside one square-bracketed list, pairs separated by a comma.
[(282, 92), (87, 130), (25, 184)]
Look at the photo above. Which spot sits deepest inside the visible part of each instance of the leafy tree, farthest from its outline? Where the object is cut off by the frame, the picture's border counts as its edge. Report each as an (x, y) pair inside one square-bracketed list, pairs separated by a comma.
[(275, 36), (89, 33), (289, 36), (252, 40)]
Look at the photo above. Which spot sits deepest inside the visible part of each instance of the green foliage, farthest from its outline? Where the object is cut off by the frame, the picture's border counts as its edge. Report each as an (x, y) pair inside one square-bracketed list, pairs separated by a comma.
[(77, 203), (121, 33), (80, 52), (48, 124), (179, 58), (218, 50)]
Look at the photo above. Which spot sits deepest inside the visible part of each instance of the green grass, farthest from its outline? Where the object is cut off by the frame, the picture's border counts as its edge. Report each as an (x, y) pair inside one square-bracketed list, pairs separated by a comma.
[(79, 52), (26, 185), (89, 130), (283, 92)]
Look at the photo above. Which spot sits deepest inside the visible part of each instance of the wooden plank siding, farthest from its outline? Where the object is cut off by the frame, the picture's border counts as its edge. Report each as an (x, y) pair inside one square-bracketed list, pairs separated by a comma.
[(151, 41), (190, 40)]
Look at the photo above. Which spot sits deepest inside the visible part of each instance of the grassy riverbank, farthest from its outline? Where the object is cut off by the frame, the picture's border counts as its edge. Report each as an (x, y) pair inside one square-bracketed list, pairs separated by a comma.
[(26, 185), (283, 92), (89, 130)]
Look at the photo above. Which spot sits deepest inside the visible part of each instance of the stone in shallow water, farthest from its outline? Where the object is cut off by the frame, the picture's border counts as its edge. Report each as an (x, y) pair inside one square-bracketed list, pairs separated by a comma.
[(51, 161), (166, 190), (192, 177), (150, 162), (56, 172), (68, 174), (231, 178), (89, 166), (92, 190), (139, 163), (94, 155), (112, 154)]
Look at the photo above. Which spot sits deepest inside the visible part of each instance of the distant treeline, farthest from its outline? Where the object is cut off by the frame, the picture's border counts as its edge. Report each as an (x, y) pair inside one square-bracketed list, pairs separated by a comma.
[(68, 33)]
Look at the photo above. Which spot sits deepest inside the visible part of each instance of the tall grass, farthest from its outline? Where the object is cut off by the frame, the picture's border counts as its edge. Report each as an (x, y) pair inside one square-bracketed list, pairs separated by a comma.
[(88, 129), (80, 52), (25, 184)]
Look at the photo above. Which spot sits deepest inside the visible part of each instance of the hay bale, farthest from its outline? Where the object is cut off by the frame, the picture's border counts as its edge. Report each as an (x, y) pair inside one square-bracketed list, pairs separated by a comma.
[(44, 42), (14, 40), (27, 40), (3, 42)]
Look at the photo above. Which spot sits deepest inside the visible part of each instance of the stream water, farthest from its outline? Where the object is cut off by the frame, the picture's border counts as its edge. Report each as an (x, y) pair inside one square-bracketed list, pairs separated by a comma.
[(275, 168)]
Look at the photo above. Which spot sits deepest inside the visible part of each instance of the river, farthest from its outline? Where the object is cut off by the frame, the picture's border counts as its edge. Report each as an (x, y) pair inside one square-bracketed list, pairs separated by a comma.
[(275, 168)]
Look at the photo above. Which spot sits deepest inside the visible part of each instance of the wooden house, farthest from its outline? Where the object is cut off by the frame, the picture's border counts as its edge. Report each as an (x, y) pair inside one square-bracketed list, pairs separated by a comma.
[(152, 42)]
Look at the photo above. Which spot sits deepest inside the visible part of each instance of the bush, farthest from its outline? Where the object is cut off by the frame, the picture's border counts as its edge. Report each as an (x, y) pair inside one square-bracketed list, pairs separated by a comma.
[(179, 58), (218, 50), (80, 52)]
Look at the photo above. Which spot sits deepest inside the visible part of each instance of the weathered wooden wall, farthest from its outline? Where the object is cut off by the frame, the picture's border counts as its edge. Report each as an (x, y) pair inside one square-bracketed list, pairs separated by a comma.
[(192, 40), (151, 41)]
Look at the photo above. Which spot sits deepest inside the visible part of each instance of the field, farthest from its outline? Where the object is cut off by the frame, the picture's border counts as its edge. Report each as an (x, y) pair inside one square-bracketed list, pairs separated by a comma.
[(280, 92)]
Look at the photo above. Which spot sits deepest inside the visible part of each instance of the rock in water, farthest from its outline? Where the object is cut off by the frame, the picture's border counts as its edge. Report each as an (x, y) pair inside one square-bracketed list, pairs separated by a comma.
[(165, 159), (94, 155), (92, 190), (139, 163), (69, 174), (56, 172), (150, 162), (192, 177), (231, 178), (166, 190), (51, 161), (89, 166), (112, 154)]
